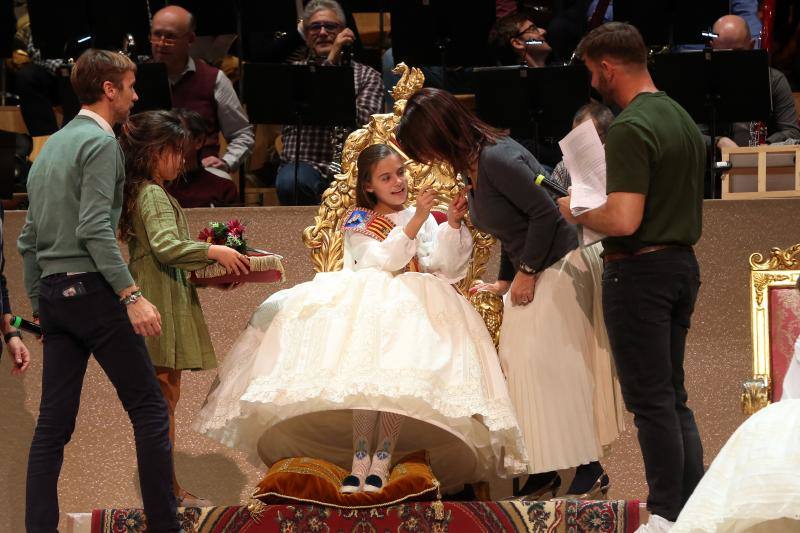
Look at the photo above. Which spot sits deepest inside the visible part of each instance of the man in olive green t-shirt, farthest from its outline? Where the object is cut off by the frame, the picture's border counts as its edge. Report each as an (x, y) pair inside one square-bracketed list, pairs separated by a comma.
[(654, 166)]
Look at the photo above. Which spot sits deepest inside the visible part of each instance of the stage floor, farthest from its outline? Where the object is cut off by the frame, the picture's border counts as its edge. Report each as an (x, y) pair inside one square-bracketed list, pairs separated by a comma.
[(100, 470)]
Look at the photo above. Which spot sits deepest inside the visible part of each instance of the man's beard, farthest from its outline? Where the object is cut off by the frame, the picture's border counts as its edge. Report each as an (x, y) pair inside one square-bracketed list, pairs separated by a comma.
[(604, 91)]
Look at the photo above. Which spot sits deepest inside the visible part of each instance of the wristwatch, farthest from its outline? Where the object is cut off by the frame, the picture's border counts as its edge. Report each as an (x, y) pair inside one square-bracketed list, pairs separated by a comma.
[(526, 269), (10, 335), (131, 298)]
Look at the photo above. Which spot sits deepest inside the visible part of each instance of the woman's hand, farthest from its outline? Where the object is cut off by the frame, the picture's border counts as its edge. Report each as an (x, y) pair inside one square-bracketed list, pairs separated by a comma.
[(457, 210), (522, 288), (499, 287), (231, 260)]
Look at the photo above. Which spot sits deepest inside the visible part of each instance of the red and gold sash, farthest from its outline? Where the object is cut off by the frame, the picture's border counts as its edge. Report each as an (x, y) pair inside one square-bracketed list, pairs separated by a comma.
[(373, 225)]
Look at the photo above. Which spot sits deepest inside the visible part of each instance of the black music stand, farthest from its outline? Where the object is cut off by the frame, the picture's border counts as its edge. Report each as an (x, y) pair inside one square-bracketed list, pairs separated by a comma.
[(542, 99), (716, 86), (303, 95), (152, 86), (670, 22), (441, 32), (60, 29)]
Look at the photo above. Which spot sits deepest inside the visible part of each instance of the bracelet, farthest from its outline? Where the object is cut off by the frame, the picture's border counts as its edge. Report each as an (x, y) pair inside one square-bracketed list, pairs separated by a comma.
[(131, 298), (525, 269), (10, 335)]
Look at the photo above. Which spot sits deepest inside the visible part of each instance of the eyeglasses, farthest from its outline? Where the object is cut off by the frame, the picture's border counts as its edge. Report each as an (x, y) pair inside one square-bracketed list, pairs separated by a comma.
[(533, 28), (165, 38), (330, 27)]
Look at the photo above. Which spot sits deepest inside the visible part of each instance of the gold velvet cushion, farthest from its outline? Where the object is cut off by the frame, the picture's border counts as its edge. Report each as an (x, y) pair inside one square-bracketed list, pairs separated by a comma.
[(303, 479)]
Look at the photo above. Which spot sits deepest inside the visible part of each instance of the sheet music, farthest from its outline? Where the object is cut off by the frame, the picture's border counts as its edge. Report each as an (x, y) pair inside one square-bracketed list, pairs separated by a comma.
[(585, 159)]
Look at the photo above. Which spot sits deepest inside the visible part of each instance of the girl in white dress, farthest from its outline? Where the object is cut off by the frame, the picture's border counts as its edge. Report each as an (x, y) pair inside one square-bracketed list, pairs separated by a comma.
[(326, 366)]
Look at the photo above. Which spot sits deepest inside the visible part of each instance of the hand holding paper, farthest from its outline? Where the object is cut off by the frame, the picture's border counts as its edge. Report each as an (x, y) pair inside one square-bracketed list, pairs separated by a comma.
[(585, 159)]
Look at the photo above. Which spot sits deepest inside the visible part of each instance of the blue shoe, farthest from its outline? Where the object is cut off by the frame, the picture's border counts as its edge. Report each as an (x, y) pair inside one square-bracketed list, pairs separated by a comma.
[(351, 484), (373, 483)]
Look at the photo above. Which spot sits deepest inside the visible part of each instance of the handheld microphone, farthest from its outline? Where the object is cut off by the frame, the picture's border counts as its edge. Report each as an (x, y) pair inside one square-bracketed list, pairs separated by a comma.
[(347, 55), (553, 187), (31, 327)]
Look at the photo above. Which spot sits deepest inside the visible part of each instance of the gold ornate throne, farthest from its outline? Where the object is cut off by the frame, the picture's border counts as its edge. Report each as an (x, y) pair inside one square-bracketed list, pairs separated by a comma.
[(324, 237), (775, 323)]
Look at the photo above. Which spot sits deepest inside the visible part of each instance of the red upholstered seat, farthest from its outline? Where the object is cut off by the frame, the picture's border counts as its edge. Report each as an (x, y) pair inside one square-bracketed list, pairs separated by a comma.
[(784, 328)]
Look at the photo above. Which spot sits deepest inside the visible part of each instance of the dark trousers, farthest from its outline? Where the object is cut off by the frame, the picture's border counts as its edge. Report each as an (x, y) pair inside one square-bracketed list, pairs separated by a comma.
[(93, 321), (648, 302), (310, 184)]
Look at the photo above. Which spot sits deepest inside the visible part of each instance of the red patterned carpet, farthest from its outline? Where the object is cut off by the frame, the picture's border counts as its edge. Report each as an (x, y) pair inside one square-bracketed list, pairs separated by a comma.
[(573, 516)]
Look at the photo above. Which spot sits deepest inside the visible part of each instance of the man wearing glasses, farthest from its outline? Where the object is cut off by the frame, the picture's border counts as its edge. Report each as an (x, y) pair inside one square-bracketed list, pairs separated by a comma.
[(200, 87), (327, 38), (511, 38)]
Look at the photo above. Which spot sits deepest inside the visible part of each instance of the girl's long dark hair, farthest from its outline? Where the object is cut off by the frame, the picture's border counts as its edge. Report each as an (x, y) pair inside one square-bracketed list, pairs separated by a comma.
[(367, 159), (436, 127), (146, 138)]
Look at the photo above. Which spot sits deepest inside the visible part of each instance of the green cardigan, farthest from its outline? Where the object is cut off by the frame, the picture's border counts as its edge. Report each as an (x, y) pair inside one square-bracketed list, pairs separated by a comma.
[(161, 252)]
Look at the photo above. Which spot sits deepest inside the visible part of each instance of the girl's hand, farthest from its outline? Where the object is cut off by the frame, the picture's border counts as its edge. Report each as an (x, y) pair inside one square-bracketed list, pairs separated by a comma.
[(522, 288), (457, 210), (499, 287), (425, 202), (231, 260)]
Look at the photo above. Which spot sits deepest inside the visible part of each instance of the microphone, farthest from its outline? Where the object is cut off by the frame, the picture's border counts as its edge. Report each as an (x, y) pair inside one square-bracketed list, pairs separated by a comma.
[(347, 55), (553, 187), (31, 327)]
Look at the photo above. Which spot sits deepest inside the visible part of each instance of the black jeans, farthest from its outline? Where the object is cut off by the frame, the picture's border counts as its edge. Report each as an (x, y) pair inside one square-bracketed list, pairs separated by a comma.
[(93, 321), (648, 302)]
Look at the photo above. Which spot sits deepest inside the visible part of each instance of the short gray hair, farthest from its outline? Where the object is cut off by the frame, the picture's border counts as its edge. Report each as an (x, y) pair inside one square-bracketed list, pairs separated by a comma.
[(321, 5), (601, 116)]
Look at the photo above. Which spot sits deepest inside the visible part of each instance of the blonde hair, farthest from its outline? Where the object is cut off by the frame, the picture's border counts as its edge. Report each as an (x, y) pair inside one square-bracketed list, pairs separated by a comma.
[(95, 67)]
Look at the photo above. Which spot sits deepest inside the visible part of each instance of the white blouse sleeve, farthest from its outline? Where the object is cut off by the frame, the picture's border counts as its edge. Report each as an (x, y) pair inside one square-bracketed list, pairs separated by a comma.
[(443, 250), (391, 254)]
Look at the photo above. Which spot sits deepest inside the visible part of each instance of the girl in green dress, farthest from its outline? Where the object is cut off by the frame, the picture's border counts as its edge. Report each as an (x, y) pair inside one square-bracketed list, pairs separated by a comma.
[(162, 253)]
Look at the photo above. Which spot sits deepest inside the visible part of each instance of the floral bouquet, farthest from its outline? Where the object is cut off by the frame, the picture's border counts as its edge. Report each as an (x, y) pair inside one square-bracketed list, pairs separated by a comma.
[(265, 267)]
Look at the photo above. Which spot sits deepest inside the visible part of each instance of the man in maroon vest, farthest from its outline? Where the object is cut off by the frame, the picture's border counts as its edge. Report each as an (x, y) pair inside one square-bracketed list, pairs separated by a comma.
[(206, 90)]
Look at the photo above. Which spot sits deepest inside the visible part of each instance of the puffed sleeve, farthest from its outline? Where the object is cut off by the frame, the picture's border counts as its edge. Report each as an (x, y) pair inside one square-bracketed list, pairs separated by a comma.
[(443, 250), (391, 254)]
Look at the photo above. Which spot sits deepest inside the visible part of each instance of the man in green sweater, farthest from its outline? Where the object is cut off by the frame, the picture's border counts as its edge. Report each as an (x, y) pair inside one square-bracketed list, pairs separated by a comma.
[(81, 290)]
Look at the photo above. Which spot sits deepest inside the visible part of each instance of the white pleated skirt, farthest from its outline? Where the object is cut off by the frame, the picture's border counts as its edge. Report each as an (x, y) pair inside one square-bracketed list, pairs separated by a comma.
[(561, 379)]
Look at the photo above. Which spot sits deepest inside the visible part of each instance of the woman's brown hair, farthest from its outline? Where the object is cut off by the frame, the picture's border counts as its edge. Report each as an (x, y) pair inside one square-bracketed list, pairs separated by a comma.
[(146, 139), (367, 159), (436, 127)]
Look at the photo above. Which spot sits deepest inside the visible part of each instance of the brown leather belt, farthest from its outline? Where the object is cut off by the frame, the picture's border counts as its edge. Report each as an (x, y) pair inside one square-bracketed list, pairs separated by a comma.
[(616, 256)]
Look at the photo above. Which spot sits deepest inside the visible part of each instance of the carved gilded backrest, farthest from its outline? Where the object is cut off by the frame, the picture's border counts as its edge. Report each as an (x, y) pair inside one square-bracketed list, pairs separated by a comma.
[(324, 237), (775, 323)]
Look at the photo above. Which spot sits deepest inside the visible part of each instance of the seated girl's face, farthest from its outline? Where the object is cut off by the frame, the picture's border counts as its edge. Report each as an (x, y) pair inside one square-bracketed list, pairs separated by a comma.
[(388, 181)]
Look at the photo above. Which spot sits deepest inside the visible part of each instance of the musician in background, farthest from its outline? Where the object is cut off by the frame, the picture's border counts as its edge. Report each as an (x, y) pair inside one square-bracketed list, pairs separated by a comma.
[(734, 34), (327, 38), (508, 40), (206, 90)]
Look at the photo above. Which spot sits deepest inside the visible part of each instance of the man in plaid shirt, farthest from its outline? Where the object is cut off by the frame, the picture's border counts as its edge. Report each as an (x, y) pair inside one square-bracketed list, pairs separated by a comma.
[(325, 34)]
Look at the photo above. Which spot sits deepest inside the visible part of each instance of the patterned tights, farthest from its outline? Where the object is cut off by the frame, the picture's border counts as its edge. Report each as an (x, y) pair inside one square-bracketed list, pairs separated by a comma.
[(364, 423)]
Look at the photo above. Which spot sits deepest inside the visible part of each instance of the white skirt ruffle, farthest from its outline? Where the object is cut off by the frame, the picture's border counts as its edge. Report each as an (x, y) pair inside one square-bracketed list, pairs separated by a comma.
[(408, 344)]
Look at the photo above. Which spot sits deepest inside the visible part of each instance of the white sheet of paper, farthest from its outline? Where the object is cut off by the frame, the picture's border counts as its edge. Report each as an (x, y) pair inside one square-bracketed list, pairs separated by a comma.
[(585, 159)]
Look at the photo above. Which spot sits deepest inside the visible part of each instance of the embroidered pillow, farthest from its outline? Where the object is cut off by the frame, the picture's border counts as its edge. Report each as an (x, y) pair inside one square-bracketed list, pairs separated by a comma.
[(307, 480)]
